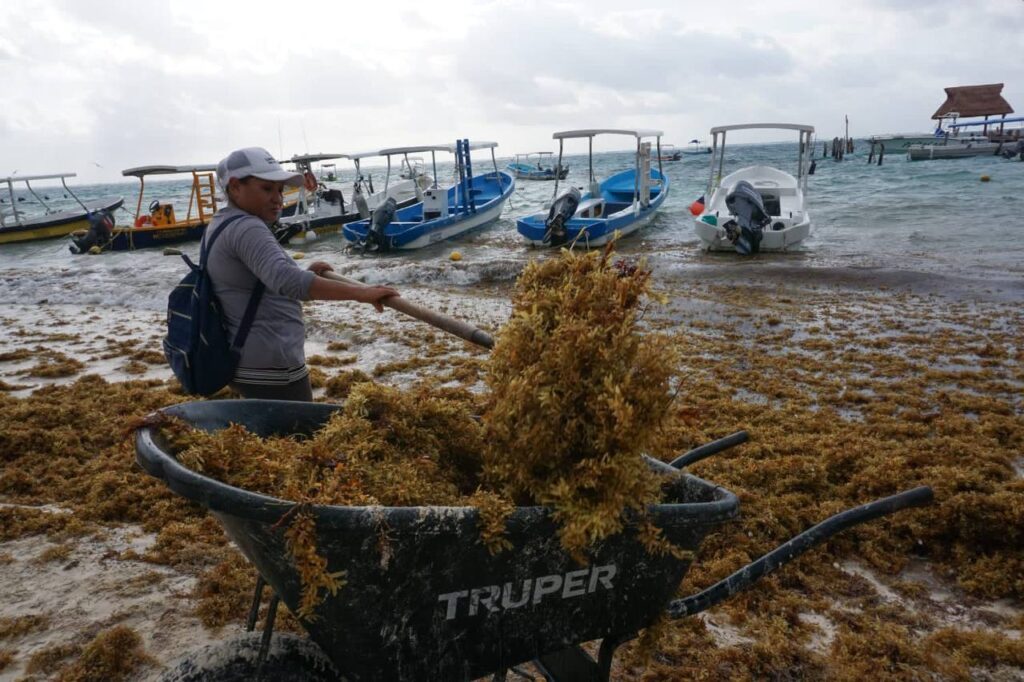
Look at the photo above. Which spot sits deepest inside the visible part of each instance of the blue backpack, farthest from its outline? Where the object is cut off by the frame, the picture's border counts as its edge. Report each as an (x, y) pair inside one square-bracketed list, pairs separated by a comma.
[(197, 346)]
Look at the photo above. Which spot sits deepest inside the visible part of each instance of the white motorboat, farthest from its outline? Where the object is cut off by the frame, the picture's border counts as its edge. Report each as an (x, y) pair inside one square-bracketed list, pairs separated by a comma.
[(756, 208), (894, 142), (615, 207), (322, 207)]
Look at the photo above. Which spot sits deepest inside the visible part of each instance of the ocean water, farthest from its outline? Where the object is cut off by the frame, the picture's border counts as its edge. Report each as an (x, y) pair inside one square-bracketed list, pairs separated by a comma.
[(930, 219)]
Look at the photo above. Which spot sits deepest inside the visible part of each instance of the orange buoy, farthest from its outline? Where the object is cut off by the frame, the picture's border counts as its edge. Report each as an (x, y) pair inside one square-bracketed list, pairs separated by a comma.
[(985, 178), (697, 207)]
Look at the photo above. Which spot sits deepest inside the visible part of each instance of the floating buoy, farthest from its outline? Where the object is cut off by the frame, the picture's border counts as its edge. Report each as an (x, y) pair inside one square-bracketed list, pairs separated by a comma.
[(985, 178), (310, 236), (456, 255), (298, 255), (697, 207), (95, 250)]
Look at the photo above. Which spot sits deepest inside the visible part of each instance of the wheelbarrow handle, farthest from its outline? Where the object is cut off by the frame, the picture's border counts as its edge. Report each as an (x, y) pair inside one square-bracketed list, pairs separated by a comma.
[(709, 449), (746, 576)]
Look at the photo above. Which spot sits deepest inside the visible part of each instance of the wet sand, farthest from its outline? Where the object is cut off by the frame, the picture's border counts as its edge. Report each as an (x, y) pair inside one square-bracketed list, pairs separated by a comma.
[(93, 581)]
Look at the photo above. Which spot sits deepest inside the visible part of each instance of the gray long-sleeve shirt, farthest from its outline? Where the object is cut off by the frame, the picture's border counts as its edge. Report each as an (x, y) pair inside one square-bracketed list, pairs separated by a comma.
[(246, 251)]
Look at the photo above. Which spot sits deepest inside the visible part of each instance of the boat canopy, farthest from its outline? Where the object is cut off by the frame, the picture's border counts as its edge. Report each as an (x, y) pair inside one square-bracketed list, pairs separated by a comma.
[(311, 158), (748, 126), (142, 171), (989, 122), (25, 178), (591, 132), (355, 156), (391, 151)]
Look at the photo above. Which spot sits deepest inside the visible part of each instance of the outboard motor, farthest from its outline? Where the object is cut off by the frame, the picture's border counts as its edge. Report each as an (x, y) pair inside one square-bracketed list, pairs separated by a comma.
[(562, 209), (745, 203), (362, 208), (283, 232), (382, 217), (333, 196), (101, 228)]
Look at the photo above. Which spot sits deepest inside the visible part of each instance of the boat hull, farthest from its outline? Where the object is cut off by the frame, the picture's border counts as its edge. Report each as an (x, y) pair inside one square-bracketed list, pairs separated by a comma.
[(134, 238), (409, 230), (784, 202), (713, 237), (616, 191), (927, 152), (57, 224)]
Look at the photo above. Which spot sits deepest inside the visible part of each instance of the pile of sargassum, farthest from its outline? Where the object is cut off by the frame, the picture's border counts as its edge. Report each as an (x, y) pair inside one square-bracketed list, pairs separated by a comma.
[(576, 391)]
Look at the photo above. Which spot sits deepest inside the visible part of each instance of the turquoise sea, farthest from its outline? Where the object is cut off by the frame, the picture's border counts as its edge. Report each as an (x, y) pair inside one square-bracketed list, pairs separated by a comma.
[(934, 222)]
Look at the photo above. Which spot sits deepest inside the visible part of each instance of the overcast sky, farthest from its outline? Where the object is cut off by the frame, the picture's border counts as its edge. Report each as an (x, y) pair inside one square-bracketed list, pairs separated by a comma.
[(95, 87)]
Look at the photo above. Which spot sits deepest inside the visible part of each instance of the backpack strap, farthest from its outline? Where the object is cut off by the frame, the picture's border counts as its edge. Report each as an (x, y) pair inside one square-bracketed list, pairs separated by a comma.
[(206, 245), (249, 316), (257, 292)]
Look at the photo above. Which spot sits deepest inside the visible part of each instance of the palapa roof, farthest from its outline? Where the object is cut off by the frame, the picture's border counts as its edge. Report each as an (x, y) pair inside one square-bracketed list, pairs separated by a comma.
[(974, 100)]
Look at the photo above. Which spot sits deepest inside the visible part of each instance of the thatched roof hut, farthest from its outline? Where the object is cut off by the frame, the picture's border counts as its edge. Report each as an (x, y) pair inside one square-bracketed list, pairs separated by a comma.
[(974, 100)]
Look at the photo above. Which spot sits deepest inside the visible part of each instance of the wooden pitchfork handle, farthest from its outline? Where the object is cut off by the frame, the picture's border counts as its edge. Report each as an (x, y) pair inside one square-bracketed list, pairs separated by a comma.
[(460, 328)]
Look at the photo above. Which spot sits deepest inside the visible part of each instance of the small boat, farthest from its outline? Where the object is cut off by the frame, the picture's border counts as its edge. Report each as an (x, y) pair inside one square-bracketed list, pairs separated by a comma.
[(616, 207), (526, 169), (411, 167), (757, 208), (18, 225), (445, 212), (160, 225), (324, 209), (670, 153), (954, 148), (696, 148), (902, 141)]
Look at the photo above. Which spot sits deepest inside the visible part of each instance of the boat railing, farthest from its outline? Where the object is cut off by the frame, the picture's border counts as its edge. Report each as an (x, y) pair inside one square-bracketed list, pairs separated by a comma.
[(27, 179)]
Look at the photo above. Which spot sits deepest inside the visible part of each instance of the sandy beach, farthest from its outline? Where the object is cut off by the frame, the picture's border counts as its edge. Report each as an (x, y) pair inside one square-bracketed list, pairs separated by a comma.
[(853, 384)]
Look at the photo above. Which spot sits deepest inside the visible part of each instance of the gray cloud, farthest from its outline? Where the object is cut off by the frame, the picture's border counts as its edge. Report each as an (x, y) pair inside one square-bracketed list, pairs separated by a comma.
[(130, 83)]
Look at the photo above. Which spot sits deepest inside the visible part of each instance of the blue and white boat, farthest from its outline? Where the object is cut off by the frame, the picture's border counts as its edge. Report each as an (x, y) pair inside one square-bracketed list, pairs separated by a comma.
[(445, 212), (615, 207), (525, 168)]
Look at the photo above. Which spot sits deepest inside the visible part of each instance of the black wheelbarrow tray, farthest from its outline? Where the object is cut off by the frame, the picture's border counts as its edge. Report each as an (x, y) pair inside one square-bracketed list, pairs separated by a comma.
[(425, 600)]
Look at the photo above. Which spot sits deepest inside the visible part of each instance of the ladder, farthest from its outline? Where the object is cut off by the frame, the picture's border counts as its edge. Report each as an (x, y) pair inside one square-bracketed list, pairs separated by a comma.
[(204, 194)]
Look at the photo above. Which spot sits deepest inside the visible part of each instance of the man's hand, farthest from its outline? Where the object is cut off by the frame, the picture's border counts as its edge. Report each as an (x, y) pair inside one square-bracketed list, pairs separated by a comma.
[(319, 267), (375, 296)]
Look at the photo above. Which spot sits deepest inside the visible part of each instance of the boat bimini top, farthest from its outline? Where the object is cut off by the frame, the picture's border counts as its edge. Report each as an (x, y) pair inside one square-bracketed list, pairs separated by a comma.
[(15, 213), (750, 126), (451, 148), (142, 171), (540, 156), (718, 135), (590, 133)]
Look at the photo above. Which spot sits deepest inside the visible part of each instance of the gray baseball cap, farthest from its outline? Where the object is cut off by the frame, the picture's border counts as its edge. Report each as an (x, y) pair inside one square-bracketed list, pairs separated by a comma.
[(257, 162)]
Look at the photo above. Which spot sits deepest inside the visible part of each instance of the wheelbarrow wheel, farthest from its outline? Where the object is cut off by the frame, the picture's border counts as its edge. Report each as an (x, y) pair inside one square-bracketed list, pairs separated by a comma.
[(290, 659)]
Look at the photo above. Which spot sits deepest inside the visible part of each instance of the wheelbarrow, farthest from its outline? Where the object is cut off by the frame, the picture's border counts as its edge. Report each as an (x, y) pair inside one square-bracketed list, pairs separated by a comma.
[(425, 600)]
